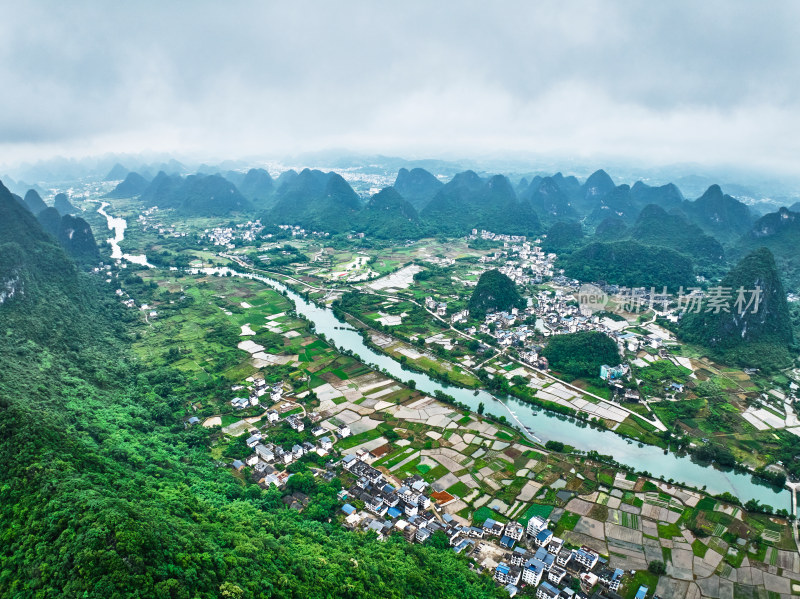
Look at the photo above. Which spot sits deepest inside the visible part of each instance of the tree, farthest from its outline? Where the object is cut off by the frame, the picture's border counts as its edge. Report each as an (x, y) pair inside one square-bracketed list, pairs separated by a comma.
[(494, 292), (481, 408), (439, 540), (581, 354), (657, 567), (556, 446)]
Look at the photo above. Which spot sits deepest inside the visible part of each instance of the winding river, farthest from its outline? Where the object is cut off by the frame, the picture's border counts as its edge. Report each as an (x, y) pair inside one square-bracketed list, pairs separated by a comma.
[(118, 226), (544, 425)]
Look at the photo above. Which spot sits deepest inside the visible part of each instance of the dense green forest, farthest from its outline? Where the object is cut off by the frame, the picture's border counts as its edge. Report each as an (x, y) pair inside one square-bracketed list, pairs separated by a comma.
[(494, 292), (655, 226), (629, 263), (104, 493), (581, 354), (563, 237), (749, 330)]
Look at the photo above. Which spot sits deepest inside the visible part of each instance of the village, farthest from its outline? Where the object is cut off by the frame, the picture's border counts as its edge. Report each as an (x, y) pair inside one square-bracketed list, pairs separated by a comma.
[(388, 501), (550, 533)]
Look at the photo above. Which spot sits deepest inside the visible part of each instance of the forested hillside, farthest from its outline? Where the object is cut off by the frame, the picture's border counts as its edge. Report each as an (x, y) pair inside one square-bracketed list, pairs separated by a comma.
[(469, 202), (655, 226), (629, 263), (780, 233), (754, 330), (388, 216), (581, 354), (104, 493), (494, 292)]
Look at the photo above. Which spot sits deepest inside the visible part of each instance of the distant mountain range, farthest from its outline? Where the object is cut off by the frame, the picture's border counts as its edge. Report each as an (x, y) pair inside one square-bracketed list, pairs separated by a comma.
[(708, 230), (200, 195), (417, 185), (117, 173)]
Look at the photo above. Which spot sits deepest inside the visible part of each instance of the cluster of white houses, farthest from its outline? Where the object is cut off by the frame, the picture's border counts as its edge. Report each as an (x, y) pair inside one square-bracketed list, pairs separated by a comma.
[(266, 455), (259, 389), (438, 308), (297, 231), (406, 509), (387, 508), (547, 563), (225, 236), (550, 565), (522, 261), (489, 236)]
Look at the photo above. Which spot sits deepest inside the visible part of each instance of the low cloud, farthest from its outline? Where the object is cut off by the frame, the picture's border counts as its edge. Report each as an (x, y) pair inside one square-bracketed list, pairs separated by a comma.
[(710, 83)]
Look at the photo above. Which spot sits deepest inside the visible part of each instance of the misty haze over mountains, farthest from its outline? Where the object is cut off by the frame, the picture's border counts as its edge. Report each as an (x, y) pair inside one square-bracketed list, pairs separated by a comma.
[(705, 225), (760, 190)]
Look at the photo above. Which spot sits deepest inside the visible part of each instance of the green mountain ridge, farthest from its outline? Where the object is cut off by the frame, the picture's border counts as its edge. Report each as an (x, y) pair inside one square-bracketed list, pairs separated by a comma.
[(316, 200), (63, 205), (611, 228), (780, 233), (133, 185), (34, 202), (388, 215), (617, 203), (417, 186), (719, 214), (549, 201), (656, 227), (563, 237), (630, 264), (73, 234), (468, 202), (117, 173), (257, 186), (759, 335), (34, 269)]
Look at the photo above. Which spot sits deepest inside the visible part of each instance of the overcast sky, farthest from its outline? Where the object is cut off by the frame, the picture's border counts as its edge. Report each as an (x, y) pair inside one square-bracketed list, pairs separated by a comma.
[(658, 82)]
